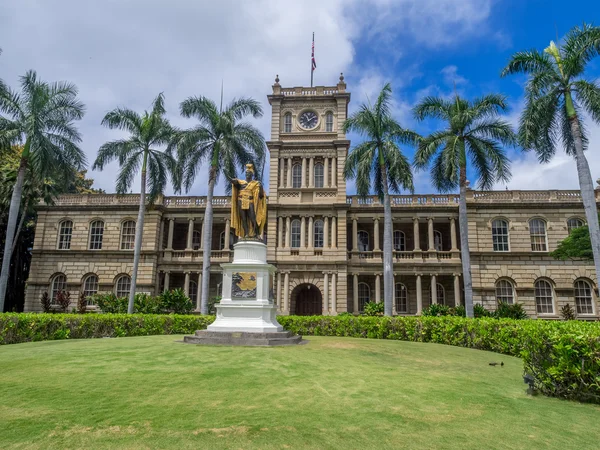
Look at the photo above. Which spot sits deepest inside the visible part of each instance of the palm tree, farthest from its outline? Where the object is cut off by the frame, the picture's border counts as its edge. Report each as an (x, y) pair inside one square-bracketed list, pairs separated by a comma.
[(148, 132), (41, 118), (474, 132), (226, 144), (556, 95), (379, 163)]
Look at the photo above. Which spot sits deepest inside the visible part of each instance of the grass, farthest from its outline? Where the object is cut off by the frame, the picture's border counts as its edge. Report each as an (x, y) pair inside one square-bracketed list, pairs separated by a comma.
[(151, 392)]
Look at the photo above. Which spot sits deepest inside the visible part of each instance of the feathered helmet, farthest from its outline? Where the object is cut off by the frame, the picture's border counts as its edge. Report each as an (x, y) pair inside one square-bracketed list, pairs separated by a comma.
[(250, 168)]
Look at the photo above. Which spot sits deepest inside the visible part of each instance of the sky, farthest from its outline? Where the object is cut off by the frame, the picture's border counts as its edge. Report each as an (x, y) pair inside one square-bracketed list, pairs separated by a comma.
[(122, 53)]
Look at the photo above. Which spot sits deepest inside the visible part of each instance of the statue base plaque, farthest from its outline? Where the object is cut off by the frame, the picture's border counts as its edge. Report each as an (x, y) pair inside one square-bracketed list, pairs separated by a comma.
[(246, 315)]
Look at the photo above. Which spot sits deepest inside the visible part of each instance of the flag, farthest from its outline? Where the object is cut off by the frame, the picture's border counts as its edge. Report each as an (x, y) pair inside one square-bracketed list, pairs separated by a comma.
[(314, 63)]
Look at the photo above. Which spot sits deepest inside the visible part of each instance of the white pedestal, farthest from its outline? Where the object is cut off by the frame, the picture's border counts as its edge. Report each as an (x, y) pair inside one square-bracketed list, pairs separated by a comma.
[(245, 305)]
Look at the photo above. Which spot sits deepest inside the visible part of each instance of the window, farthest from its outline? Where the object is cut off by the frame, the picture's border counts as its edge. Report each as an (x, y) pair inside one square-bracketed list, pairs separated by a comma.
[(96, 234), (59, 284), (295, 233), (399, 241), (544, 297), (500, 235), (128, 235), (505, 292), (537, 233), (363, 241), (287, 123), (90, 287), (574, 223), (318, 234), (364, 296), (196, 240), (583, 297), (123, 286), (222, 240), (440, 294), (193, 292), (329, 122), (437, 240), (64, 235), (296, 176), (319, 174), (401, 298)]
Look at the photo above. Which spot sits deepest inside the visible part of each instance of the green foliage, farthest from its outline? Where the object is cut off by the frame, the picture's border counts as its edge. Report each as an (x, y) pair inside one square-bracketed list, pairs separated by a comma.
[(506, 311), (82, 303), (577, 245), (211, 304), (567, 312), (479, 311), (176, 301), (110, 303), (63, 300), (46, 302), (436, 310), (373, 309), (147, 304)]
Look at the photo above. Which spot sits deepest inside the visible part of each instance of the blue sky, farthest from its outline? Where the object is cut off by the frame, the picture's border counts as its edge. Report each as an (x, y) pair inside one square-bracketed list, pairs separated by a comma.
[(125, 53)]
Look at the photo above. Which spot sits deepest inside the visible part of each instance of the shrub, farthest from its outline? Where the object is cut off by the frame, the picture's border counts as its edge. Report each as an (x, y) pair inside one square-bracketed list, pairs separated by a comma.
[(63, 300), (176, 301), (110, 303), (436, 310), (147, 304), (567, 312), (46, 302), (479, 311), (373, 309), (506, 311), (82, 303), (211, 304)]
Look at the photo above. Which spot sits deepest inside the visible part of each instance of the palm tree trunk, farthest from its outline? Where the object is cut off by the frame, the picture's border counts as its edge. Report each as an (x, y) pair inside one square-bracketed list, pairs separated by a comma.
[(588, 195), (139, 233), (18, 230), (465, 255), (13, 215), (208, 221), (388, 273)]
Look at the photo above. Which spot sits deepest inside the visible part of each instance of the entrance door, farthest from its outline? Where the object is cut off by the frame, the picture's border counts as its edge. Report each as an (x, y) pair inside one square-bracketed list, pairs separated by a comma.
[(308, 302)]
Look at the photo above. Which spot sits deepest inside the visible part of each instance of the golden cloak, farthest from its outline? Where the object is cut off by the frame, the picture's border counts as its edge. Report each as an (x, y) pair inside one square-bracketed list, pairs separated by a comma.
[(260, 208)]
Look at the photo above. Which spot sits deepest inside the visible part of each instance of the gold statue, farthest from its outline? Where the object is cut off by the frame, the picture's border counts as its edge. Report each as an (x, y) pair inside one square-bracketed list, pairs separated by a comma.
[(248, 206)]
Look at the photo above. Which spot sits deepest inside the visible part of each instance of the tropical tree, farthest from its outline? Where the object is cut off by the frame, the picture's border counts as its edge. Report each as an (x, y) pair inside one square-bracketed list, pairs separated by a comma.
[(148, 133), (556, 95), (225, 143), (41, 118), (378, 164), (474, 133)]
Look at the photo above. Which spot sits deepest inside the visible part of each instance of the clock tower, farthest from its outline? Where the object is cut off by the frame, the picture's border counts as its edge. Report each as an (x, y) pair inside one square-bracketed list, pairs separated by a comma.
[(307, 197)]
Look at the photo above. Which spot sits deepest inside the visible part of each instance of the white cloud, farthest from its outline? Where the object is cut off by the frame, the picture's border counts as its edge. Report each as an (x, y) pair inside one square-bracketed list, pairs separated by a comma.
[(451, 76)]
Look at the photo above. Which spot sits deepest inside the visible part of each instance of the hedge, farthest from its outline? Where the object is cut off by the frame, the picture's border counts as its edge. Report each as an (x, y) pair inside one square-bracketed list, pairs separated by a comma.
[(562, 357)]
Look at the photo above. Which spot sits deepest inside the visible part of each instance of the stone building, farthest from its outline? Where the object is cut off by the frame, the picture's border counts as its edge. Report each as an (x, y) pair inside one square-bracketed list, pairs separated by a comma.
[(326, 245)]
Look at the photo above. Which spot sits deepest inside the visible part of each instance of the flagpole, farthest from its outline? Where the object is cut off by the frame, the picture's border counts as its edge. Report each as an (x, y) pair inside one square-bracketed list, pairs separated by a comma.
[(311, 60)]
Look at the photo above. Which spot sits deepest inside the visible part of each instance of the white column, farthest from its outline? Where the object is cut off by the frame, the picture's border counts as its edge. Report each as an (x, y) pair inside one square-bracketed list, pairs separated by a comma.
[(354, 234), (333, 172), (334, 232), (288, 231), (286, 293), (186, 284), (377, 288), (430, 233), (203, 224), (303, 184), (190, 234), (333, 293), (311, 172), (376, 233), (419, 295), (170, 235), (281, 172), (326, 292), (416, 234), (311, 235), (433, 289), (453, 233), (302, 232), (278, 294), (325, 232), (289, 173), (167, 278), (227, 233), (456, 289), (161, 235), (199, 292), (280, 232), (326, 173), (355, 293)]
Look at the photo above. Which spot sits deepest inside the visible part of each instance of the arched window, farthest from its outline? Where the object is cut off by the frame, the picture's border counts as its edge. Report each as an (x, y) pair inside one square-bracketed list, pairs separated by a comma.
[(123, 286), (196, 240), (537, 233), (64, 235), (287, 123), (296, 176), (500, 235), (573, 223), (329, 121), (319, 174), (363, 241), (59, 284), (505, 291), (128, 235), (96, 234), (90, 287), (583, 297), (401, 298), (364, 296), (544, 297), (437, 240), (295, 233), (318, 234), (193, 292), (399, 241), (222, 240), (440, 294)]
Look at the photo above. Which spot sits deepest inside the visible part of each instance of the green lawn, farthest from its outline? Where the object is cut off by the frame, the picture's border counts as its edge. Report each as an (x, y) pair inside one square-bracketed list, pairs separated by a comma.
[(151, 392)]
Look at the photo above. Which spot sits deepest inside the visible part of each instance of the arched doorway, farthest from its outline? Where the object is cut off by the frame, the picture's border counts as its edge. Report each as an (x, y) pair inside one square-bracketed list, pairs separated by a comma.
[(307, 300)]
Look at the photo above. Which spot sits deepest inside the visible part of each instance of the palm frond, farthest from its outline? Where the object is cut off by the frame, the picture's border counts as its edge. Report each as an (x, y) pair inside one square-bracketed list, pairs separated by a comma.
[(123, 119), (528, 62), (490, 160), (580, 46), (588, 95), (240, 108), (537, 124), (127, 172), (433, 107), (494, 128), (429, 145)]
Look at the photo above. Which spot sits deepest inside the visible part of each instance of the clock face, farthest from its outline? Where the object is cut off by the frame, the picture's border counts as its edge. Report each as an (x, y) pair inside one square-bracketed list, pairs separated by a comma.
[(308, 120)]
